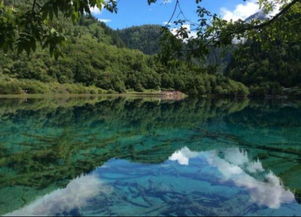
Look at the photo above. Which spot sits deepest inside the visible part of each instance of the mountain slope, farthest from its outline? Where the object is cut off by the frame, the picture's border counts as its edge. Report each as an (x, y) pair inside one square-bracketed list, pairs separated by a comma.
[(260, 15), (145, 38), (94, 58)]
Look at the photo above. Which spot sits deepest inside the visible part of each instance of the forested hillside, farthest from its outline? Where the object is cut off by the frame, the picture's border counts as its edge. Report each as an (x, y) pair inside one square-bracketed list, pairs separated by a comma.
[(94, 57), (271, 67), (78, 54), (145, 38)]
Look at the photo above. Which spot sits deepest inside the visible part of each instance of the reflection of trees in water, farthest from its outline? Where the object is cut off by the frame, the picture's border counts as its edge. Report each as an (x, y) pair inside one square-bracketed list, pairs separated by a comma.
[(268, 114), (55, 144), (64, 140), (169, 202), (266, 120), (144, 190), (122, 110), (284, 159)]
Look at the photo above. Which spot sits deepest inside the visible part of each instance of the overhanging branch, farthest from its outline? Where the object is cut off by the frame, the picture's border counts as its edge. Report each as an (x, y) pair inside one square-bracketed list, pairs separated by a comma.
[(283, 11)]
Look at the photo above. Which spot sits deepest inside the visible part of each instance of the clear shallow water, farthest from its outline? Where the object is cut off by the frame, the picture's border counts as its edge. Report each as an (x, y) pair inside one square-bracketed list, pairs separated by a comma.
[(117, 156)]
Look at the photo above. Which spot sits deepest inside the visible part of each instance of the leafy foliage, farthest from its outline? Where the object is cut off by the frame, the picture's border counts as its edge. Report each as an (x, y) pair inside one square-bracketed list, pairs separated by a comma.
[(271, 63), (31, 23)]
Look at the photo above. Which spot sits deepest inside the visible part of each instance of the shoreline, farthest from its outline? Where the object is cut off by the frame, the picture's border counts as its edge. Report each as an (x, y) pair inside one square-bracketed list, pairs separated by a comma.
[(165, 95), (162, 94)]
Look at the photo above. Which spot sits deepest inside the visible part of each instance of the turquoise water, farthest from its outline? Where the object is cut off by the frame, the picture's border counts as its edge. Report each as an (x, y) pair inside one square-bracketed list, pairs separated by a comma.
[(146, 156)]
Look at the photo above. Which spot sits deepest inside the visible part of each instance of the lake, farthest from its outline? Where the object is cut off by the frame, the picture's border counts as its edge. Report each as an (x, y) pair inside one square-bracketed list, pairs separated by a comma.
[(148, 156)]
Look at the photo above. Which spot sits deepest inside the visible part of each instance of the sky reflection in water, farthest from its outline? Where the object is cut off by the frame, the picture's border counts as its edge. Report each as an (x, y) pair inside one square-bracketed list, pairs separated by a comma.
[(118, 156), (237, 168), (229, 168)]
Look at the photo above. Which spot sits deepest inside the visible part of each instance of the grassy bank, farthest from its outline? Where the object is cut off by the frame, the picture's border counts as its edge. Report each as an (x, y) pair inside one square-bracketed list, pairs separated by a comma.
[(24, 87), (18, 88), (15, 86)]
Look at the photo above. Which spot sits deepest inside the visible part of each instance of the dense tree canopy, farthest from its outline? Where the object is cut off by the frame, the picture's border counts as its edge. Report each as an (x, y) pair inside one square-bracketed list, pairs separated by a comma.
[(271, 63), (145, 38), (95, 57), (266, 58)]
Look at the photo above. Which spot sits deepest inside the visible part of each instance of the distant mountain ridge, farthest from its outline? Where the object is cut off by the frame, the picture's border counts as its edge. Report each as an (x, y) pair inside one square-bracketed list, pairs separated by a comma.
[(260, 15), (146, 38)]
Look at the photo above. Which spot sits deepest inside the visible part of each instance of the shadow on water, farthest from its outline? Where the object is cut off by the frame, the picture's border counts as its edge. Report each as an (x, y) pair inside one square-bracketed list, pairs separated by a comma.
[(44, 144)]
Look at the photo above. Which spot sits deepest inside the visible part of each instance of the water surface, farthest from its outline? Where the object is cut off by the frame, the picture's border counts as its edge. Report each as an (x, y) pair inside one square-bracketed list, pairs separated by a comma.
[(120, 156)]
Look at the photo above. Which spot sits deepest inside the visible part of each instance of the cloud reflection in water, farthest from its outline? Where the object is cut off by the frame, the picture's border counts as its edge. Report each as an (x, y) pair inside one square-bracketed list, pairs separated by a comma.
[(232, 165), (235, 166), (76, 195)]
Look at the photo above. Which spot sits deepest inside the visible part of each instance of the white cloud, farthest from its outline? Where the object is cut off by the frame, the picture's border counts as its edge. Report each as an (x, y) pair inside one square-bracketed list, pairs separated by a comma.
[(167, 1), (234, 165), (95, 11), (182, 156), (245, 10), (275, 11), (187, 27), (75, 195), (104, 20), (241, 11)]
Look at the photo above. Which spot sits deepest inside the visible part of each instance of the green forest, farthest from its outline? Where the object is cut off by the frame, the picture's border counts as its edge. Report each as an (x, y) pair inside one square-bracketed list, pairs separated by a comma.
[(271, 67), (97, 59)]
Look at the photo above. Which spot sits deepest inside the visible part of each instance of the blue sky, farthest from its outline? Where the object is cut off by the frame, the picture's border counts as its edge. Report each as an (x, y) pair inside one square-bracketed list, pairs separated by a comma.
[(138, 12)]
